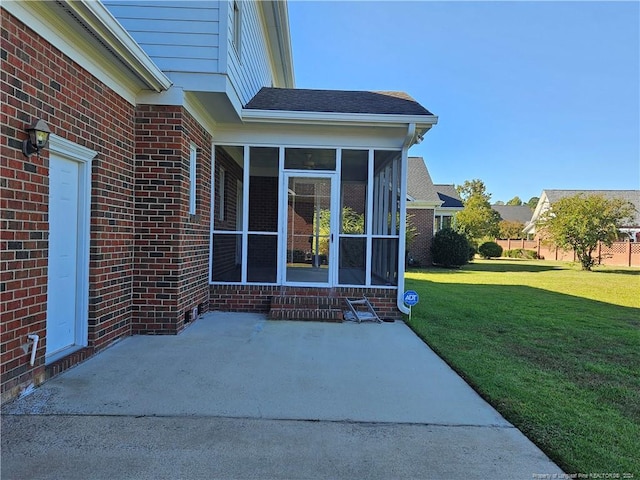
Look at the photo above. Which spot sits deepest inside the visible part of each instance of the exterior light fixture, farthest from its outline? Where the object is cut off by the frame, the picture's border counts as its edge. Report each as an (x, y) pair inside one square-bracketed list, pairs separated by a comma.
[(38, 138)]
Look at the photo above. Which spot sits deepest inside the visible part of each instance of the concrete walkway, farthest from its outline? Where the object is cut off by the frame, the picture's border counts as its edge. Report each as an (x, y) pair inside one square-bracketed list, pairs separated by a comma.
[(237, 396)]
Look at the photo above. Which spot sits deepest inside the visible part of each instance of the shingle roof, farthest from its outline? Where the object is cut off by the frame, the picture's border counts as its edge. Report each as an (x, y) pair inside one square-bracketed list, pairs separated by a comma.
[(632, 196), (514, 213), (449, 196), (419, 183), (336, 101)]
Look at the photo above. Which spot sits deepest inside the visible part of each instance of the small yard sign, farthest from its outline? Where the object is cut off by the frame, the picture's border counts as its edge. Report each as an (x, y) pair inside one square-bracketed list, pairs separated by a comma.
[(410, 298)]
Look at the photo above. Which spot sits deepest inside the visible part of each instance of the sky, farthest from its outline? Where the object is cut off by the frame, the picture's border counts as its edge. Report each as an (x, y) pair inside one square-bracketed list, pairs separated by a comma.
[(529, 95)]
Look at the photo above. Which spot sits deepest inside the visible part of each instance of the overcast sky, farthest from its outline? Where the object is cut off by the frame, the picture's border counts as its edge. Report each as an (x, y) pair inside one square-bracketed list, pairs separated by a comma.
[(529, 95)]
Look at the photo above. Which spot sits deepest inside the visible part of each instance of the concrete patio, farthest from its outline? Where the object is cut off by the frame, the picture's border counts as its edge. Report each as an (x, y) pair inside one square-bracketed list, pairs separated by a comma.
[(237, 396)]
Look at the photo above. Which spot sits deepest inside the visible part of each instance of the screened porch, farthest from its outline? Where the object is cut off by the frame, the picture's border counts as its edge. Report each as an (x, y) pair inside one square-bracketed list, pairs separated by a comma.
[(303, 216)]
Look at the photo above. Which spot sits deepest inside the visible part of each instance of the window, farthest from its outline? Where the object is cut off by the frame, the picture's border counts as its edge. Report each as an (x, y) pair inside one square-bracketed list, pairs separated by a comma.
[(193, 157), (222, 180), (443, 221), (236, 24)]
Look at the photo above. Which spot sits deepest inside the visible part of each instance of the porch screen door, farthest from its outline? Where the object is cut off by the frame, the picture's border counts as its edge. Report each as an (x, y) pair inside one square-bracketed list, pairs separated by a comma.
[(309, 236)]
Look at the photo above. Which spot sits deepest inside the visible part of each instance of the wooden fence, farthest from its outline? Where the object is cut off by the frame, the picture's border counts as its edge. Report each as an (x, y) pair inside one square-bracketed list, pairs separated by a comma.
[(619, 253)]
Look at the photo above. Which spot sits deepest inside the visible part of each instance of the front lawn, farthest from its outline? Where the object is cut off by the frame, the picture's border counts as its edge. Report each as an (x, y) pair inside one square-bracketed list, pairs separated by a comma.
[(555, 349)]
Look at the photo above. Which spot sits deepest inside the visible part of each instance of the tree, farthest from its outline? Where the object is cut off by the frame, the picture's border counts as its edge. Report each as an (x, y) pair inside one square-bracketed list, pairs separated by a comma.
[(515, 201), (581, 221), (471, 188), (477, 219), (533, 201), (510, 229)]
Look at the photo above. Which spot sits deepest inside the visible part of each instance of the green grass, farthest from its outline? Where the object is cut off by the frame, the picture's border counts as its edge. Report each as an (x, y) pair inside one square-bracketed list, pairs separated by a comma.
[(554, 349)]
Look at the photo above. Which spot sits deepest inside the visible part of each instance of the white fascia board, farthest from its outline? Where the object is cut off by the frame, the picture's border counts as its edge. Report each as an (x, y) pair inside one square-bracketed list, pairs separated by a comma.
[(411, 204), (104, 25), (448, 210), (355, 119), (46, 20)]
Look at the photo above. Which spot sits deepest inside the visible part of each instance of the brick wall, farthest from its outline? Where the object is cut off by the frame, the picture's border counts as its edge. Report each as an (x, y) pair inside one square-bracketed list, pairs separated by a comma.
[(148, 262), (420, 248), (171, 246), (38, 81), (245, 298)]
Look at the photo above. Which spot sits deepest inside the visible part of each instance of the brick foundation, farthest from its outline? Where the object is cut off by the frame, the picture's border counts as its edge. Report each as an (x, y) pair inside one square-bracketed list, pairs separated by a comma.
[(244, 298)]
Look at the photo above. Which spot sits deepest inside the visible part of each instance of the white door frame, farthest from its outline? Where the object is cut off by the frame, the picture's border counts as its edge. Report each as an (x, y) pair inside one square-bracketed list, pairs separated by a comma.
[(68, 150), (334, 222)]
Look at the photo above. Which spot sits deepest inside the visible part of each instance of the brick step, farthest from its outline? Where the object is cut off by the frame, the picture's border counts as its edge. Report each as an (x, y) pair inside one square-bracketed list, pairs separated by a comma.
[(320, 309)]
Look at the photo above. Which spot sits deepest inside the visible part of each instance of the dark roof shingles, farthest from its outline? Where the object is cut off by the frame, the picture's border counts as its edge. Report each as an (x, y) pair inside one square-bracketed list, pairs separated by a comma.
[(514, 213), (336, 101)]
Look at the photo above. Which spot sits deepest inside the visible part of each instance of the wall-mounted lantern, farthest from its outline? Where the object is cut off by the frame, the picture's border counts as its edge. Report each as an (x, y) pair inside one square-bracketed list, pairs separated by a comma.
[(38, 138)]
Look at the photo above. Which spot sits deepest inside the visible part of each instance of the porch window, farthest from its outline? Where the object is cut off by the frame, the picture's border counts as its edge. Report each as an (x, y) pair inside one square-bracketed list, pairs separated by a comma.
[(386, 218), (321, 216), (354, 179), (262, 251), (227, 225)]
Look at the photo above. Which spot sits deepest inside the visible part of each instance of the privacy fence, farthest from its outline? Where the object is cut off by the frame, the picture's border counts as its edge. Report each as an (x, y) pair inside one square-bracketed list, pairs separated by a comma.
[(619, 253)]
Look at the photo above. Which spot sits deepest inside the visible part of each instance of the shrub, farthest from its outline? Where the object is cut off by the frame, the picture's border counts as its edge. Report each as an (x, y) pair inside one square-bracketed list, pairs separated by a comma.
[(490, 249), (521, 253), (472, 252), (450, 248)]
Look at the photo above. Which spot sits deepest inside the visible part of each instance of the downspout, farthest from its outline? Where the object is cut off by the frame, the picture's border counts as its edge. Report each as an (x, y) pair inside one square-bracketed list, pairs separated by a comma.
[(408, 141)]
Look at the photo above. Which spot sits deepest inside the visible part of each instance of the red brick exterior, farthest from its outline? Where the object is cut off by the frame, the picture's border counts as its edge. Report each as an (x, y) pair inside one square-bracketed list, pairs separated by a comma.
[(38, 81), (171, 246), (420, 249), (247, 298)]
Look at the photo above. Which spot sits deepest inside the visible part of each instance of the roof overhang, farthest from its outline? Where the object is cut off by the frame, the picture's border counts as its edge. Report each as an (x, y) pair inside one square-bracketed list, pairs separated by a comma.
[(80, 29), (421, 205), (95, 16), (422, 122)]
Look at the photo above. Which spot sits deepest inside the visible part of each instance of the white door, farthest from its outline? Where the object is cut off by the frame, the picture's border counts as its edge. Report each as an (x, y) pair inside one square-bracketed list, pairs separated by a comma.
[(62, 286)]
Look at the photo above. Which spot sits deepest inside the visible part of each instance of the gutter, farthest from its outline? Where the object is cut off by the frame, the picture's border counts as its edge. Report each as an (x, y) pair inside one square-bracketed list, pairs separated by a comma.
[(409, 140), (356, 119)]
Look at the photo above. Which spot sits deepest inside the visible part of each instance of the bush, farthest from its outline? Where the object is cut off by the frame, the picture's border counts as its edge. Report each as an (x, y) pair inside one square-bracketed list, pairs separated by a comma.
[(521, 253), (450, 248), (490, 249)]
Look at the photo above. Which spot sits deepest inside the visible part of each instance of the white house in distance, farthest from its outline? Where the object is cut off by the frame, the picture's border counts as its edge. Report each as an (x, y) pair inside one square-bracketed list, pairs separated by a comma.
[(548, 197), (184, 173)]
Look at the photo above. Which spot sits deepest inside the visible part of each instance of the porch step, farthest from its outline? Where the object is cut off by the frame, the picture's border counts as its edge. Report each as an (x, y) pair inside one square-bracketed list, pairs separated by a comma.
[(311, 308)]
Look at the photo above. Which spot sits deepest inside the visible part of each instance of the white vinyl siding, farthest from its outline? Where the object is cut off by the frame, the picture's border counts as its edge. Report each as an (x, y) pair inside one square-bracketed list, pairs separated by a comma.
[(180, 36), (248, 68)]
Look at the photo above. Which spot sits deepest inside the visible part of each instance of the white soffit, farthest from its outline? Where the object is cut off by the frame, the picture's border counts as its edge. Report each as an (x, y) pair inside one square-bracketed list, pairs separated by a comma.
[(94, 30)]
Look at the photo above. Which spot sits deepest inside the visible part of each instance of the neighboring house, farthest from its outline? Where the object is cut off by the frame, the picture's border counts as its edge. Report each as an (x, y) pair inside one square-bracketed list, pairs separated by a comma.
[(514, 213), (451, 204), (548, 197), (184, 173), (430, 208)]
